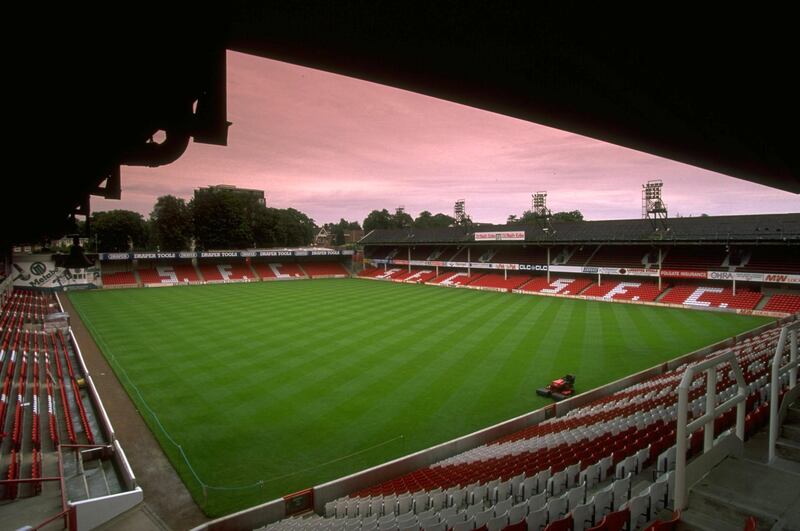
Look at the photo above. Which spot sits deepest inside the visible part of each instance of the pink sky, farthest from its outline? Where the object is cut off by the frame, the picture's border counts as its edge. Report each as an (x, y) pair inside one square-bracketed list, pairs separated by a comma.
[(336, 147)]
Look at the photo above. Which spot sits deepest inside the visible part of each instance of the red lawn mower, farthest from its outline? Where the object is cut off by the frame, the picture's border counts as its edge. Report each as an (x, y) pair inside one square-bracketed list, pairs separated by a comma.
[(559, 389)]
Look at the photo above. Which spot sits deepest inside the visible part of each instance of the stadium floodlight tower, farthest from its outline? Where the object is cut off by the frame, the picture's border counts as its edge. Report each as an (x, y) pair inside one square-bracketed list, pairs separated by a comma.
[(542, 215), (459, 212), (653, 206)]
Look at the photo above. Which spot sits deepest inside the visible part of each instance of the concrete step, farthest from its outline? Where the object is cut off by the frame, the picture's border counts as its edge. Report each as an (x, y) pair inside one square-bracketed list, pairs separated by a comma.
[(698, 520), (788, 449), (725, 513), (738, 488), (791, 431), (793, 414)]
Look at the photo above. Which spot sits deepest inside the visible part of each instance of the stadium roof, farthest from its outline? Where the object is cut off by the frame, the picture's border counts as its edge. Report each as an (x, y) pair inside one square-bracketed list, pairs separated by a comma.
[(753, 229), (681, 85)]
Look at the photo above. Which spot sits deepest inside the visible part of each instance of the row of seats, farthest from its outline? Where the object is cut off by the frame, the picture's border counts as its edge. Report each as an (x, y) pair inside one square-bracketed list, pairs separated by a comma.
[(783, 303), (633, 290), (576, 468), (180, 273), (712, 296), (36, 368), (629, 289)]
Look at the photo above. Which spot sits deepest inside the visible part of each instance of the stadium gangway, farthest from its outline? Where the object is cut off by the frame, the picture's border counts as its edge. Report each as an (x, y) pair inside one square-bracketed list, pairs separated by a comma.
[(685, 428), (789, 331)]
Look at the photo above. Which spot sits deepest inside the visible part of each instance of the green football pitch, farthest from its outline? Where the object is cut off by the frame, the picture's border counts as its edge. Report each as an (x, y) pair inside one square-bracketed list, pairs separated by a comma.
[(269, 388)]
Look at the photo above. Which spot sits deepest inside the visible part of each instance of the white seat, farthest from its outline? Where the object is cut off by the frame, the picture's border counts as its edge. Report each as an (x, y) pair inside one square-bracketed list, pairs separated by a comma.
[(330, 509), (658, 496), (605, 465), (341, 508), (390, 504), (543, 477), (466, 525), (528, 488), (448, 511), (602, 502), (477, 495), (666, 461), (641, 458), (573, 472), (582, 516), (404, 503), (420, 502), (576, 496), (557, 484), (441, 526), (515, 484), (472, 510), (622, 490), (537, 502), (591, 476), (458, 498), (640, 510), (503, 506), (517, 513), (453, 519), (536, 520), (430, 521), (498, 522), (625, 467), (411, 526), (482, 517), (363, 507), (557, 507), (437, 500)]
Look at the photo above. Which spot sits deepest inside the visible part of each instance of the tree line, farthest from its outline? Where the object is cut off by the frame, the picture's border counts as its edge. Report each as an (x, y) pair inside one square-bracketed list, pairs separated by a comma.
[(227, 219), (213, 219)]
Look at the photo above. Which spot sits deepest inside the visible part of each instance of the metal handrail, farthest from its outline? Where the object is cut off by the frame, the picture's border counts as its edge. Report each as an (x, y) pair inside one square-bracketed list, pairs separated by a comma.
[(789, 331), (684, 428)]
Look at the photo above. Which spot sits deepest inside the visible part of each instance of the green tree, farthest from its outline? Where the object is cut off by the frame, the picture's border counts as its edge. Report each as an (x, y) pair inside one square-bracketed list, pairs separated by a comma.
[(572, 215), (119, 230), (378, 219), (171, 224), (402, 219), (426, 220), (224, 219)]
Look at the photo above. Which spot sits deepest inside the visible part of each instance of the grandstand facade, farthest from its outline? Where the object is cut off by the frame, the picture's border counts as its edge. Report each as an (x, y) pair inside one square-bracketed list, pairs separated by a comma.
[(740, 263)]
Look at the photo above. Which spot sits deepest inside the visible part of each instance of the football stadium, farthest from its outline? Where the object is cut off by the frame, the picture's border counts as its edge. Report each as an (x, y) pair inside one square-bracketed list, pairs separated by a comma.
[(541, 374)]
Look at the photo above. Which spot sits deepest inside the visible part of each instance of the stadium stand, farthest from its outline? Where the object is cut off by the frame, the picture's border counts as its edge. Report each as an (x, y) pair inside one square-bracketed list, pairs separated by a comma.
[(711, 296), (383, 274), (579, 256), (44, 408), (455, 278), (168, 274), (325, 269), (629, 289), (270, 271), (780, 259), (118, 275), (618, 256), (497, 281), (225, 272), (783, 303), (522, 255), (557, 285), (699, 258), (605, 465), (415, 276)]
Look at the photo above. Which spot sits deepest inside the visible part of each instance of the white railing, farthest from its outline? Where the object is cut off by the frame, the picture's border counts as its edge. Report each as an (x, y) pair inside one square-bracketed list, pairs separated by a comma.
[(685, 429), (789, 331)]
